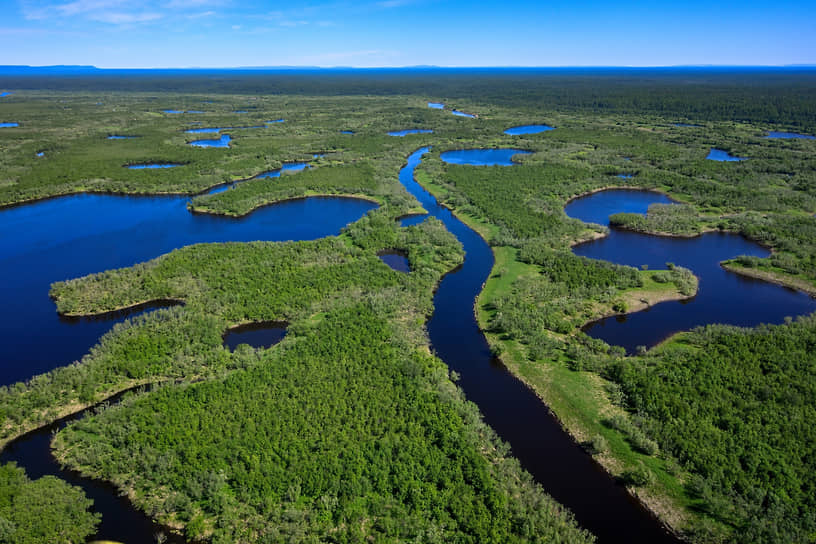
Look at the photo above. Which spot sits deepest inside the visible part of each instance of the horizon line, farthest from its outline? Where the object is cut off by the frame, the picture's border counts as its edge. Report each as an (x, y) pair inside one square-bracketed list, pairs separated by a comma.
[(415, 66)]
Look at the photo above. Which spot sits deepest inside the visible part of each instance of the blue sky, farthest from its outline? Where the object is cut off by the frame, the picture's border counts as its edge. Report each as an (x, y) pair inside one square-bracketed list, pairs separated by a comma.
[(230, 33)]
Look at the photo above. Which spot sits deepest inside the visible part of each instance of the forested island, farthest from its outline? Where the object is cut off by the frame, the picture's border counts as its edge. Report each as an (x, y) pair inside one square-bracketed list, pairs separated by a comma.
[(352, 428)]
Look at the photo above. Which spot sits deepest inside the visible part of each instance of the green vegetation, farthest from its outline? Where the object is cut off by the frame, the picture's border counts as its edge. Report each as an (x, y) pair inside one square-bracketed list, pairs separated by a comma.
[(735, 408), (673, 219), (44, 510)]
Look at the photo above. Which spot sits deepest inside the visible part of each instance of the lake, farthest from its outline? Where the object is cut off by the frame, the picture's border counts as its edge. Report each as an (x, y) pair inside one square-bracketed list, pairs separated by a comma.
[(482, 157), (723, 156), (723, 297), (528, 129)]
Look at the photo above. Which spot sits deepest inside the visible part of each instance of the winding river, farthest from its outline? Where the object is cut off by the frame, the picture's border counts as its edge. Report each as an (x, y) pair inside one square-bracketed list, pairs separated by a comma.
[(545, 450)]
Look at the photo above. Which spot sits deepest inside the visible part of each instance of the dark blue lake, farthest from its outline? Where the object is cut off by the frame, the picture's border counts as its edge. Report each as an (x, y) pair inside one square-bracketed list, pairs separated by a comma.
[(482, 157), (223, 141), (257, 335), (463, 114), (349, 132), (9, 125), (77, 235), (723, 297), (517, 415), (120, 137), (173, 111), (527, 129), (153, 166), (436, 105), (723, 156), (789, 136), (410, 131)]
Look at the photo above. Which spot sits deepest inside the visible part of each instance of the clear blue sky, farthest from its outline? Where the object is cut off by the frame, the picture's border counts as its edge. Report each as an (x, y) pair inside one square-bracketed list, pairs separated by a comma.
[(230, 33)]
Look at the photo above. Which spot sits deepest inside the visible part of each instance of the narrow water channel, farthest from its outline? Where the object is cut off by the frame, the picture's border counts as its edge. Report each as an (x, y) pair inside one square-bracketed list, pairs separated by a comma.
[(545, 450)]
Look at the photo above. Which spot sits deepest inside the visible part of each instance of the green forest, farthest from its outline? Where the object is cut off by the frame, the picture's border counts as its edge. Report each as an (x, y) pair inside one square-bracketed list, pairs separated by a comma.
[(350, 429)]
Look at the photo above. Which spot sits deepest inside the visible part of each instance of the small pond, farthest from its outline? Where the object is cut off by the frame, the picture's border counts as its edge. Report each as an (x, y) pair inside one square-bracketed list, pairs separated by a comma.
[(723, 156), (395, 259), (408, 131), (288, 167), (527, 129), (789, 136), (258, 335), (9, 125), (436, 105), (482, 157), (210, 130), (152, 166), (223, 141), (120, 137), (463, 114)]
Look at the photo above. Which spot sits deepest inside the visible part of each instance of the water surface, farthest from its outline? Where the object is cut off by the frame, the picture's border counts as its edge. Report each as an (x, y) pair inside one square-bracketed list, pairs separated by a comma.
[(723, 156), (396, 260), (723, 297), (350, 132), (463, 114), (527, 129), (686, 125), (789, 136), (409, 131), (436, 105), (482, 157), (153, 166), (5, 94), (287, 167), (9, 125), (223, 141), (258, 335), (120, 137)]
